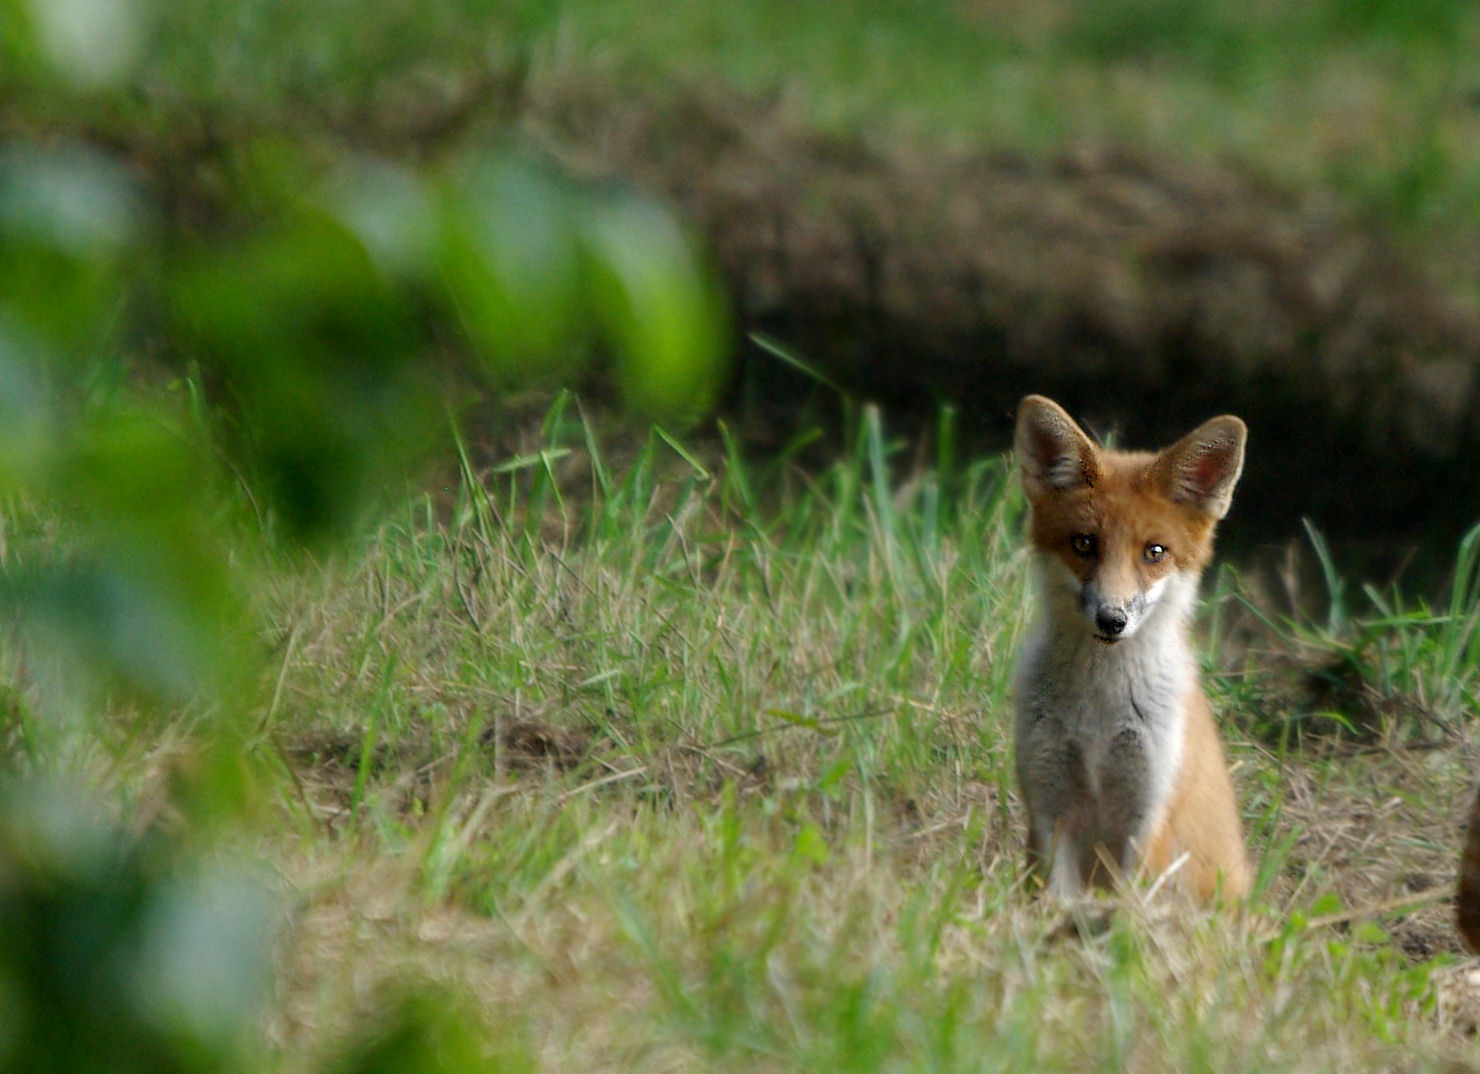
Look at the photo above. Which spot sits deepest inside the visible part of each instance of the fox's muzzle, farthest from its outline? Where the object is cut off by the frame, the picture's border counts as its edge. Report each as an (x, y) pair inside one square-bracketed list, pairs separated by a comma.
[(1110, 621), (1113, 619)]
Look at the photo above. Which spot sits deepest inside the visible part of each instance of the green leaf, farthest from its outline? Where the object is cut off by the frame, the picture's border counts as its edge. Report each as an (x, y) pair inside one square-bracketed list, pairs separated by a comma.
[(659, 309)]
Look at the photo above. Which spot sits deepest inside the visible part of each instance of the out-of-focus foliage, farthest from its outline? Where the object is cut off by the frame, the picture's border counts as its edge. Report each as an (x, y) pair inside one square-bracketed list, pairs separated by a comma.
[(214, 353), (295, 355), (534, 266), (429, 1031), (119, 953), (663, 319), (87, 44)]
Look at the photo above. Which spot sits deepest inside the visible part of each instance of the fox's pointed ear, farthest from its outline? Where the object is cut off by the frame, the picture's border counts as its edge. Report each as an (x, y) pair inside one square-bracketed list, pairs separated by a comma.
[(1054, 454), (1201, 469)]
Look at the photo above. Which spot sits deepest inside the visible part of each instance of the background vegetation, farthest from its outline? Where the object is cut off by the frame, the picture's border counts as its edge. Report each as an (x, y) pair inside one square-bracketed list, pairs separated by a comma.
[(350, 722)]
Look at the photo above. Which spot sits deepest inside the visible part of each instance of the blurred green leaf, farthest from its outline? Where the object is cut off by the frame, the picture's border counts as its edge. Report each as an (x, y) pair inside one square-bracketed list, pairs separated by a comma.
[(317, 350), (427, 1030), (144, 596), (512, 270), (92, 43), (19, 55), (393, 212), (203, 954), (661, 312), (70, 222), (27, 426), (116, 953)]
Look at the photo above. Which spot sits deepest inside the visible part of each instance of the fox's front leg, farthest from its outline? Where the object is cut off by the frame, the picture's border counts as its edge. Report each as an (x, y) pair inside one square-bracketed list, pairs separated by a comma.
[(1055, 856), (1051, 772), (1065, 877)]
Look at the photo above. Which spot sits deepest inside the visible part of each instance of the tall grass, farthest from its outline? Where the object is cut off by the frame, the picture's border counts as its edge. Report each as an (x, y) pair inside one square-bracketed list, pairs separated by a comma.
[(666, 758), (646, 754)]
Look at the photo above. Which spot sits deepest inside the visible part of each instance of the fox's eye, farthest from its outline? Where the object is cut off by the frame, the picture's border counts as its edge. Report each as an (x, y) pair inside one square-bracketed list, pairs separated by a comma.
[(1083, 544), (1154, 553)]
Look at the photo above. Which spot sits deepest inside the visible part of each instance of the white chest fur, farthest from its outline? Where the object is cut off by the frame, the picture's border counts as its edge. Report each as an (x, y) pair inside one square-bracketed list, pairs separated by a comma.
[(1100, 726)]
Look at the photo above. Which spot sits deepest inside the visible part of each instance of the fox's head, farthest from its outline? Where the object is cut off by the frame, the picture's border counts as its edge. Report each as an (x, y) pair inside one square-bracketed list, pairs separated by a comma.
[(1123, 532)]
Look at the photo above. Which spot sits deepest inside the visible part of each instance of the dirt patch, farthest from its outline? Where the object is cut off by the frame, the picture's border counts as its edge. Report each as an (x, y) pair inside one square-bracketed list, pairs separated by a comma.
[(1138, 290), (537, 744)]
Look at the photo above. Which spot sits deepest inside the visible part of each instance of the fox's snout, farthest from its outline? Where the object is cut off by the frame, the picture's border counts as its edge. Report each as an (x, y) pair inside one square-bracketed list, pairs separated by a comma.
[(1113, 619)]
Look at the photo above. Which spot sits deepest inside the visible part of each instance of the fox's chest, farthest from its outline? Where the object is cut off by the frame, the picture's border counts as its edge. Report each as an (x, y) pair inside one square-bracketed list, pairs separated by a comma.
[(1108, 708)]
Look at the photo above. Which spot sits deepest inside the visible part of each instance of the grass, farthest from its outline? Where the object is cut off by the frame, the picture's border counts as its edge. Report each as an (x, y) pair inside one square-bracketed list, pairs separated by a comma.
[(1371, 100), (680, 761)]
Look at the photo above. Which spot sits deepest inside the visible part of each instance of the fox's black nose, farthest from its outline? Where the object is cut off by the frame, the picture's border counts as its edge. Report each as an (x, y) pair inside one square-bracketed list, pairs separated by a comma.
[(1111, 621)]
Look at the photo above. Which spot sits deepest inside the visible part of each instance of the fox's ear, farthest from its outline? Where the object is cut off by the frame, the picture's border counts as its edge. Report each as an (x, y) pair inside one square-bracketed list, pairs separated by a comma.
[(1201, 469), (1054, 454)]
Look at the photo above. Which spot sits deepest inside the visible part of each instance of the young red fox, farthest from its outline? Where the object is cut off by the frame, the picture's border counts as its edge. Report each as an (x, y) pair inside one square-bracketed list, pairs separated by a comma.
[(1117, 751)]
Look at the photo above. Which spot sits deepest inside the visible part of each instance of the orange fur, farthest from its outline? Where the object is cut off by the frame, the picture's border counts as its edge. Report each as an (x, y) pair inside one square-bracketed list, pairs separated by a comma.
[(1202, 819)]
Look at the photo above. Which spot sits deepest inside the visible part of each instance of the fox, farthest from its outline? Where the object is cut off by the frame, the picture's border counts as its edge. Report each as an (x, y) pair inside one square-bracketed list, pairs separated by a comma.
[(1118, 757), (1467, 900)]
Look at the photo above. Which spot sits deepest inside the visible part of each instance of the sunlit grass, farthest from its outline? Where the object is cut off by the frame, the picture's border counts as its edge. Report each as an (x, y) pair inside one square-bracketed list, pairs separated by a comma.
[(694, 763)]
